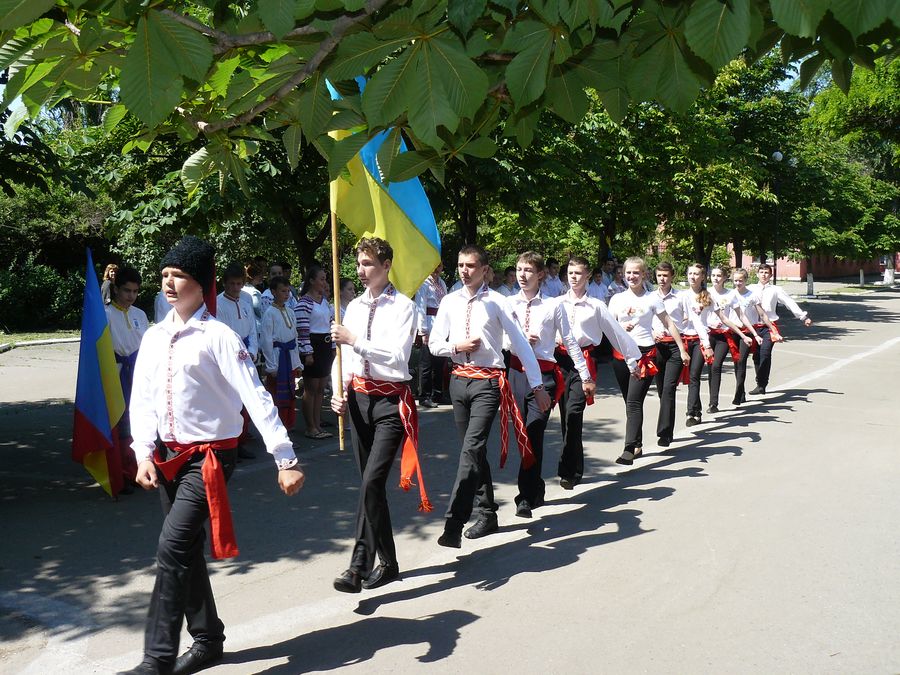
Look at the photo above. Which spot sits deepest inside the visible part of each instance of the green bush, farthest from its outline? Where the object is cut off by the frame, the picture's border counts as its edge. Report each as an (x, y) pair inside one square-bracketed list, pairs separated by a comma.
[(37, 297)]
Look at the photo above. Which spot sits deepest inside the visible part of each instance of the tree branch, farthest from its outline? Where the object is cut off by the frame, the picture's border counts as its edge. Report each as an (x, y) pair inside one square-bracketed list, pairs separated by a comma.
[(328, 45), (225, 41)]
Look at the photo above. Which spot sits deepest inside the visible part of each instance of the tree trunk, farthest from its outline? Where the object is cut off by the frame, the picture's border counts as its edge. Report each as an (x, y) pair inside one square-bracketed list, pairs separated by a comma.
[(701, 246), (308, 238), (467, 220), (605, 237), (737, 247), (707, 254)]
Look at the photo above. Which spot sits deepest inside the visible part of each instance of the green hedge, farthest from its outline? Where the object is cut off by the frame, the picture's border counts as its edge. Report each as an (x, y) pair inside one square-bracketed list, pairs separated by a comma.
[(37, 297)]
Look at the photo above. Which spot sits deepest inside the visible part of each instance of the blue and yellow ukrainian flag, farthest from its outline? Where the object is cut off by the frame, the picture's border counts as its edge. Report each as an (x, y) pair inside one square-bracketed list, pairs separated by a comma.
[(397, 212), (99, 403)]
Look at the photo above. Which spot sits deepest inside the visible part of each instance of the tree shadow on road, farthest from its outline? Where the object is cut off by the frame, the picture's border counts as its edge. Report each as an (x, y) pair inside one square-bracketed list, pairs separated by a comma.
[(358, 642), (712, 439), (595, 517), (832, 314)]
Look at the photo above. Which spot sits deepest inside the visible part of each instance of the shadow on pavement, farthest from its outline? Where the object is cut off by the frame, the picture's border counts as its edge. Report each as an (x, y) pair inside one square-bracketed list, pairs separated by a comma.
[(357, 642), (840, 310)]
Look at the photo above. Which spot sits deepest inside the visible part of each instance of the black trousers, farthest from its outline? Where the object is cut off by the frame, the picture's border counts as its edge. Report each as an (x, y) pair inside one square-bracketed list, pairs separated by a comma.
[(719, 343), (762, 357), (669, 363), (377, 434), (431, 374), (694, 406), (475, 405), (182, 589), (634, 391), (531, 485), (740, 374), (571, 420)]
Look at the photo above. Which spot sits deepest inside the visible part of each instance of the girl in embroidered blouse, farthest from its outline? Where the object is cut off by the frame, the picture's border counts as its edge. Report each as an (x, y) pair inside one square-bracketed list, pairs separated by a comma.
[(314, 316)]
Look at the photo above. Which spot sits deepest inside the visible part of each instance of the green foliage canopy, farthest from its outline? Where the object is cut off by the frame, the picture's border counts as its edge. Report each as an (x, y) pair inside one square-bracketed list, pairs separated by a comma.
[(449, 73)]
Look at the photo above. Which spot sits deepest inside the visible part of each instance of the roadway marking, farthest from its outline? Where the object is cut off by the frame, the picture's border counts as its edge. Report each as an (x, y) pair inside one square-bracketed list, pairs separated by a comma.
[(837, 365), (781, 350)]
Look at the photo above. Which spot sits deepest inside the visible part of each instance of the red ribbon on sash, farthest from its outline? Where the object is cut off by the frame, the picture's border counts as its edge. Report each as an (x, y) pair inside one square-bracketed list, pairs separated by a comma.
[(508, 410), (409, 416), (733, 346), (685, 377), (646, 366), (591, 365), (222, 541), (546, 367), (775, 333)]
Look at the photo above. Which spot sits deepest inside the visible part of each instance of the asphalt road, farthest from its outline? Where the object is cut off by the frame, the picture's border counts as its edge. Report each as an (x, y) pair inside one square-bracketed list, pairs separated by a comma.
[(765, 540)]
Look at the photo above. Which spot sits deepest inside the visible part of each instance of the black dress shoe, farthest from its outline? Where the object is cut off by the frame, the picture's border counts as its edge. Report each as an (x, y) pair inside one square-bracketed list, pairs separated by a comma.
[(758, 390), (381, 575), (427, 403), (148, 667), (712, 409), (626, 458), (691, 421), (199, 657), (482, 528), (567, 483), (523, 509), (664, 442), (451, 538), (348, 582)]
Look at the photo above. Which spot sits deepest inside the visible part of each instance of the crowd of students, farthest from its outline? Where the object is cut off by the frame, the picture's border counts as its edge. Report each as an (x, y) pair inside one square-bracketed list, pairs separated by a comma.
[(520, 350)]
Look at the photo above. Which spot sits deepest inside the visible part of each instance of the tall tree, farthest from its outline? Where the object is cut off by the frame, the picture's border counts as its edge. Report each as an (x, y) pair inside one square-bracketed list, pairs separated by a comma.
[(448, 72)]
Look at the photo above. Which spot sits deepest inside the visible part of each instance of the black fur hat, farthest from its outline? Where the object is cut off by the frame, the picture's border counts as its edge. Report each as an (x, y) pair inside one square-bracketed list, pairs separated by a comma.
[(194, 256)]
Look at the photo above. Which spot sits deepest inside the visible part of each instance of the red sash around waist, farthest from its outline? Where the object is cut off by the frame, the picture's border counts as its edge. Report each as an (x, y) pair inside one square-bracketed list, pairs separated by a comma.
[(685, 377), (409, 456), (733, 346), (774, 333), (589, 360), (546, 367), (646, 366), (508, 410), (222, 540)]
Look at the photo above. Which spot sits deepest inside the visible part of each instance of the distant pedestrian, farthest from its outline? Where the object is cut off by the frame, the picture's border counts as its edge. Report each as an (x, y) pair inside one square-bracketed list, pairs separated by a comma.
[(431, 368), (276, 270), (591, 324), (313, 314), (725, 333), (278, 343), (109, 277), (127, 325), (347, 294), (234, 308), (770, 296), (635, 310), (552, 286)]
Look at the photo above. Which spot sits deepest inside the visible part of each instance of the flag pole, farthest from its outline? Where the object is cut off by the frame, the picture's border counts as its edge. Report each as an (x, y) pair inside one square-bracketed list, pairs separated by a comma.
[(336, 286)]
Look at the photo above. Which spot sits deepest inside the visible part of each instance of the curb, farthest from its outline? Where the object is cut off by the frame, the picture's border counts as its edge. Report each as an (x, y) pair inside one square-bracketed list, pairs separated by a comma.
[(8, 346)]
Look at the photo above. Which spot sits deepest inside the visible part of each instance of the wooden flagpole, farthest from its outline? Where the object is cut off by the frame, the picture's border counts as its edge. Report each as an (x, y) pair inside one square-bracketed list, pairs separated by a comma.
[(336, 285)]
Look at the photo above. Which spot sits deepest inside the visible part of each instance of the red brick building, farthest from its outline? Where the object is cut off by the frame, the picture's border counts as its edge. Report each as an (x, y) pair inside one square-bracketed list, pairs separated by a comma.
[(823, 267)]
